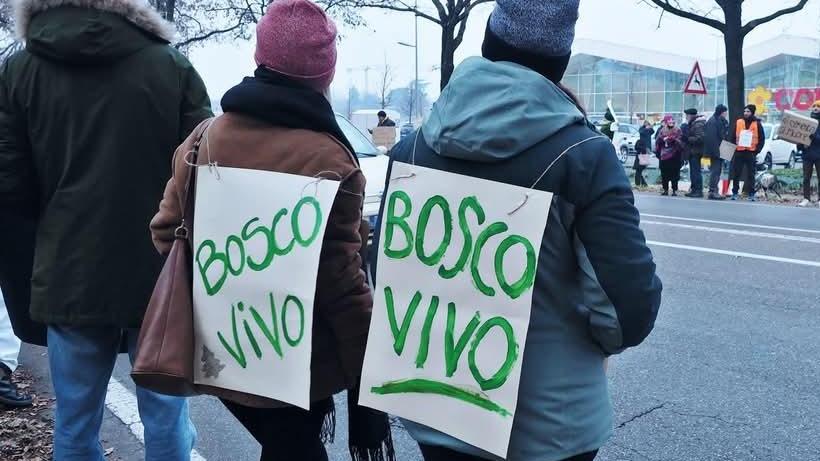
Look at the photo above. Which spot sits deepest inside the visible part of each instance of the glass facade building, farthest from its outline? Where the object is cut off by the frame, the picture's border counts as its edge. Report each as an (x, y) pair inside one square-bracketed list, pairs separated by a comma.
[(651, 90)]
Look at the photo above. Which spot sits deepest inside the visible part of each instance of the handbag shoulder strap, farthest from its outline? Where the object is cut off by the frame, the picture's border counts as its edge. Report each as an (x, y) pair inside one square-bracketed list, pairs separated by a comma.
[(186, 198)]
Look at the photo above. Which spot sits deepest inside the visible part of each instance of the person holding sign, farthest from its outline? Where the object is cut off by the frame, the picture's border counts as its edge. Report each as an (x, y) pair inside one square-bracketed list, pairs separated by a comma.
[(749, 137), (694, 139), (717, 131), (484, 338), (811, 159), (280, 121)]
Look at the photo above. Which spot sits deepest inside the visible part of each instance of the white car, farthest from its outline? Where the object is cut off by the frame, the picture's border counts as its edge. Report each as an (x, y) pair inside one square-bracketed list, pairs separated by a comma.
[(776, 151), (373, 162), (624, 141)]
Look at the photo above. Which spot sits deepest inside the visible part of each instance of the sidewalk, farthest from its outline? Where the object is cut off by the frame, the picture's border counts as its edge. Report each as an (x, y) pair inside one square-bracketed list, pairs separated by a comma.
[(26, 433)]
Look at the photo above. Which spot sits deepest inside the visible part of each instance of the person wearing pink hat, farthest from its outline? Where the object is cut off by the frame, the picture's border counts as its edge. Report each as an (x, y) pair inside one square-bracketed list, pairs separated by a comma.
[(280, 120), (669, 146)]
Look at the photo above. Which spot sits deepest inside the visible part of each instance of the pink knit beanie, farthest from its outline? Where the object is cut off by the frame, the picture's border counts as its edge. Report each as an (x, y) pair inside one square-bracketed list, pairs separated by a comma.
[(297, 39)]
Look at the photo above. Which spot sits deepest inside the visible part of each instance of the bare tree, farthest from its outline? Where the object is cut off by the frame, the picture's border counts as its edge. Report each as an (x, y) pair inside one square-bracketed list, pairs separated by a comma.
[(734, 34), (201, 21), (385, 85), (450, 15), (8, 42)]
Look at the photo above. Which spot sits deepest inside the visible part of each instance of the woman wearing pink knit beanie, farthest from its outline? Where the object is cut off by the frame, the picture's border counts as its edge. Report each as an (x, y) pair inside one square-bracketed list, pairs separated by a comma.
[(278, 120), (296, 39)]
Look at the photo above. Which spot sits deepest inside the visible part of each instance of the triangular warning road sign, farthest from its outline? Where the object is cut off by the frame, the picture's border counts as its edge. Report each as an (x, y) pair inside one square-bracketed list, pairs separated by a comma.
[(695, 84)]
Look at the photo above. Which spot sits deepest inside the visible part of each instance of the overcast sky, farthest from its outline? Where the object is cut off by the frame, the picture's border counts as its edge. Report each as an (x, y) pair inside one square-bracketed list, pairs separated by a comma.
[(620, 21)]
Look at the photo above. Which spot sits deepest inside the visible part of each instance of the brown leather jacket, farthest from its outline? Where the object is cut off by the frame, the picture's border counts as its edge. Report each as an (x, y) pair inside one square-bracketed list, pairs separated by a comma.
[(343, 300)]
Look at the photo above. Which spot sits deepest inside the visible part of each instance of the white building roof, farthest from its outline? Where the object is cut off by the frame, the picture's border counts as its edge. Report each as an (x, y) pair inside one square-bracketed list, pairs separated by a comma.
[(753, 54)]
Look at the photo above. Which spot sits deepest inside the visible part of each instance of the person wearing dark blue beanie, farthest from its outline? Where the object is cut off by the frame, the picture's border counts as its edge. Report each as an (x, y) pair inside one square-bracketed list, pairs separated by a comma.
[(504, 117)]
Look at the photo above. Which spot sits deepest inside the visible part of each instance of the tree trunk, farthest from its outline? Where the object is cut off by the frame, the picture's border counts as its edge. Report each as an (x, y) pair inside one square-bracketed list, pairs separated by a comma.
[(170, 10), (733, 38), (448, 51), (735, 76)]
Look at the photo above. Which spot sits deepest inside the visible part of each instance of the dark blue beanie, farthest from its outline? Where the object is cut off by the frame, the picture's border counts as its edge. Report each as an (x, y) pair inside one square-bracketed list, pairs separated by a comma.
[(537, 34)]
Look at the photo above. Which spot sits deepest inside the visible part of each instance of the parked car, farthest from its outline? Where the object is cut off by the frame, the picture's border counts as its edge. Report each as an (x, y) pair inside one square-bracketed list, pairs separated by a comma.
[(776, 151), (374, 162), (625, 140)]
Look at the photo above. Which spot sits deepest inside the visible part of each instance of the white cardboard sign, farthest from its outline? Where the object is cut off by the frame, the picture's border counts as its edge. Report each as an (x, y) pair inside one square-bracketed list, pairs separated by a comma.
[(797, 128), (727, 150), (257, 240), (745, 139), (456, 266)]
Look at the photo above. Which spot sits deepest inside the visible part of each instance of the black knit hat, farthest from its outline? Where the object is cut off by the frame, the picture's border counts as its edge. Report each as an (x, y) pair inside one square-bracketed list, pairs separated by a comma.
[(551, 67), (691, 111)]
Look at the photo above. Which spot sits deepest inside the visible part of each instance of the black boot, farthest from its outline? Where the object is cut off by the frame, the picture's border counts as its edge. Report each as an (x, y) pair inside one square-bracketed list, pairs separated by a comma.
[(9, 395)]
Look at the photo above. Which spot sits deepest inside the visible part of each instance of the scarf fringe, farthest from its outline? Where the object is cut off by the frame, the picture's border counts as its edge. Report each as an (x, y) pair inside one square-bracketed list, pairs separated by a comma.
[(385, 452), (328, 432)]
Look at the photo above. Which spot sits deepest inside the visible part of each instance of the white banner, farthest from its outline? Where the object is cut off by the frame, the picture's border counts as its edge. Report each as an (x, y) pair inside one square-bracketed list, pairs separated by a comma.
[(456, 266), (257, 240)]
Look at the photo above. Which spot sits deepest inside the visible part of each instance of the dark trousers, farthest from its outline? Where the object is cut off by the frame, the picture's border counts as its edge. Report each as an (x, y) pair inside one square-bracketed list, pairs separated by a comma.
[(639, 169), (808, 166), (286, 434), (696, 173), (639, 179), (715, 170), (431, 453), (670, 172), (744, 165)]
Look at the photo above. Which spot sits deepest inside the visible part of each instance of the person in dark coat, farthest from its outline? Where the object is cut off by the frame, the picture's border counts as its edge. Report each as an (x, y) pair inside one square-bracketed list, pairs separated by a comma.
[(640, 152), (90, 114), (749, 137), (646, 132), (564, 411), (717, 131), (384, 120), (694, 140), (670, 147), (811, 159)]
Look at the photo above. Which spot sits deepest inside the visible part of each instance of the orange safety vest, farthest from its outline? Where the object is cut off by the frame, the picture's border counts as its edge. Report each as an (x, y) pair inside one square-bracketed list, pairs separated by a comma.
[(741, 127)]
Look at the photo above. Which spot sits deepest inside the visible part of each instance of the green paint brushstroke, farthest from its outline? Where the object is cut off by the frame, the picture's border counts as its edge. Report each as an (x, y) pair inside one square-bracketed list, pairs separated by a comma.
[(426, 386)]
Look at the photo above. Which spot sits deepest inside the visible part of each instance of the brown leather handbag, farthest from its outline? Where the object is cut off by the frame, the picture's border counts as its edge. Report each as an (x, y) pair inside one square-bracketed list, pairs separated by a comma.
[(165, 349)]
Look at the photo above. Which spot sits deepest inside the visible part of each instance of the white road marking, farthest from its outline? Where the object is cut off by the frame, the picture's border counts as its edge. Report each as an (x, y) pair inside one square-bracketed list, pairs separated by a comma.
[(123, 404), (795, 238), (727, 223), (738, 254)]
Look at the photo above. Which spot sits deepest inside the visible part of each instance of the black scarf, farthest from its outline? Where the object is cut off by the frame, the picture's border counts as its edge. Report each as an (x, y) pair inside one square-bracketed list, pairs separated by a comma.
[(282, 101)]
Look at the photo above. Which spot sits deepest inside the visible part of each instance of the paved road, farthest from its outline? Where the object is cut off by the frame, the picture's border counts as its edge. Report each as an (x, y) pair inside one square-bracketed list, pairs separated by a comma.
[(730, 372)]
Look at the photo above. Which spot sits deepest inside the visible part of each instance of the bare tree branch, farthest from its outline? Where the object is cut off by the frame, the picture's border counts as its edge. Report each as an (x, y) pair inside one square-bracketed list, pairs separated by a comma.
[(759, 22), (469, 9), (204, 37), (401, 7), (385, 86), (677, 11)]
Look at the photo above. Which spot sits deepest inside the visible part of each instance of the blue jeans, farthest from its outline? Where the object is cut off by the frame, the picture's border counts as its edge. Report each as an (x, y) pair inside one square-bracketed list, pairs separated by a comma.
[(81, 362)]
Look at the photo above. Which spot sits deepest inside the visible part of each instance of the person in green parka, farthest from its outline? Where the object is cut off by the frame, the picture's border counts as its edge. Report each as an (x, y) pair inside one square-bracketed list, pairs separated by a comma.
[(91, 112)]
